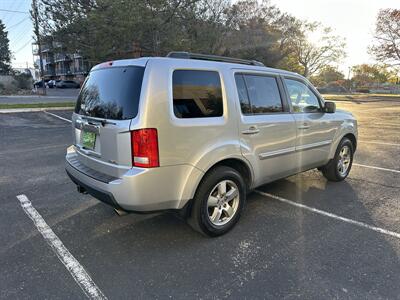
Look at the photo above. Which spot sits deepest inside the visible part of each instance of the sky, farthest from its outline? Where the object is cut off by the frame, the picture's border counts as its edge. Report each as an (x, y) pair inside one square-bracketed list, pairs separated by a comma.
[(352, 19), (19, 27)]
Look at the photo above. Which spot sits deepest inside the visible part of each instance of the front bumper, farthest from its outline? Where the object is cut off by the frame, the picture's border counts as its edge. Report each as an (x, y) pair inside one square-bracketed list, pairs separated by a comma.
[(139, 189)]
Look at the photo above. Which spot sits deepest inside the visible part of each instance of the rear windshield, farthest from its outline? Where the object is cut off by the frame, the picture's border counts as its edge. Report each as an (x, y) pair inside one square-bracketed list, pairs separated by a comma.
[(111, 93)]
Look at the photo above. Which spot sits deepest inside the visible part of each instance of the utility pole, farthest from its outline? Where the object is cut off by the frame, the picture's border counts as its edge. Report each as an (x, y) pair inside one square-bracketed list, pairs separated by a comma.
[(35, 13), (348, 79)]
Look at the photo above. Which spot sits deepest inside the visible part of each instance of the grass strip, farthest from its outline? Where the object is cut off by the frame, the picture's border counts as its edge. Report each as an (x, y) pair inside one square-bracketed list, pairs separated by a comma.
[(36, 105)]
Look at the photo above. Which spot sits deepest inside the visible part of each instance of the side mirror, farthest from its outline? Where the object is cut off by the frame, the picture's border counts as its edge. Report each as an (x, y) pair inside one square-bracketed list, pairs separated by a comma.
[(330, 107)]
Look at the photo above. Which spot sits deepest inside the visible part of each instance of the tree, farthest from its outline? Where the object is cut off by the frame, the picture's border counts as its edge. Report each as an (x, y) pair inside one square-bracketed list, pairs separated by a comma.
[(107, 29), (387, 37), (5, 53), (327, 75), (260, 31), (313, 56), (367, 75)]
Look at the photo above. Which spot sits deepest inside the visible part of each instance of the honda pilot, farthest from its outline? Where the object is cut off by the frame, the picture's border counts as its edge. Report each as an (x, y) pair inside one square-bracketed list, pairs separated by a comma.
[(196, 133)]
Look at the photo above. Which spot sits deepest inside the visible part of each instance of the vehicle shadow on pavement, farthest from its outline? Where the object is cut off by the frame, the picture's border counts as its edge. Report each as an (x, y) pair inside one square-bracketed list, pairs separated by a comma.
[(276, 250)]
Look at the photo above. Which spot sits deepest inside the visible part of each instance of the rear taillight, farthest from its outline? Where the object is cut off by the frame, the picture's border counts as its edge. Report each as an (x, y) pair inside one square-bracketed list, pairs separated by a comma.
[(144, 144)]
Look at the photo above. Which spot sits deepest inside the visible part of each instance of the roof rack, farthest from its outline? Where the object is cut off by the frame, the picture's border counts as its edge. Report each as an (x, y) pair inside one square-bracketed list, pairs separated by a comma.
[(188, 55)]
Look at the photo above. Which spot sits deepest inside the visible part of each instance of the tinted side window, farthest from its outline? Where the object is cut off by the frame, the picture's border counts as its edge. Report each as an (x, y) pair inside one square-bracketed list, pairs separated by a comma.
[(243, 96), (302, 97), (264, 94), (197, 94)]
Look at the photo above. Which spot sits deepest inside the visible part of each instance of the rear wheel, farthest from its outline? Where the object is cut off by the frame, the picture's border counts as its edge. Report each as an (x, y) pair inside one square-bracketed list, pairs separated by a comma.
[(218, 202), (339, 167)]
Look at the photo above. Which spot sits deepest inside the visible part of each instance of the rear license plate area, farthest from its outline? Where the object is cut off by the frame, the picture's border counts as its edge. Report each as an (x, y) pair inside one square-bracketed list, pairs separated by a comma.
[(89, 140)]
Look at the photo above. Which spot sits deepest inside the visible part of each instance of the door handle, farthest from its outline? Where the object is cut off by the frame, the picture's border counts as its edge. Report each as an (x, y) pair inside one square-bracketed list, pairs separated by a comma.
[(304, 126), (251, 130)]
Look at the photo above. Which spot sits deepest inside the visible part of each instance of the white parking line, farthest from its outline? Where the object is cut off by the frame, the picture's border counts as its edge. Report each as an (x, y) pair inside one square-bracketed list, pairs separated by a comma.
[(376, 168), (330, 215), (379, 143), (388, 124), (76, 270), (57, 116)]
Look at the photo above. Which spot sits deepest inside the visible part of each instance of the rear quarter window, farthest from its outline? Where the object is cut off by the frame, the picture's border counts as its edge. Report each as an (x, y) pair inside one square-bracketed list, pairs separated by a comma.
[(197, 94)]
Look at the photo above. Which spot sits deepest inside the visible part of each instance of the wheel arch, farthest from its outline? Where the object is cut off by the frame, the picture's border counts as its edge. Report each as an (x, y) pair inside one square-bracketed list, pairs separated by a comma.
[(352, 138), (239, 164), (346, 130)]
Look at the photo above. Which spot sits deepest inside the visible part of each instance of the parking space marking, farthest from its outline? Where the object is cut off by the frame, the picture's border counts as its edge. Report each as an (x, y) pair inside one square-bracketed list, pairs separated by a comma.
[(376, 168), (379, 143), (378, 126), (57, 116), (330, 215), (388, 124), (76, 270)]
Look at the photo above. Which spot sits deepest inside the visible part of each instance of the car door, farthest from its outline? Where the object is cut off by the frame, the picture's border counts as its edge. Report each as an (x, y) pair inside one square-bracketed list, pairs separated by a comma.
[(267, 130), (315, 128)]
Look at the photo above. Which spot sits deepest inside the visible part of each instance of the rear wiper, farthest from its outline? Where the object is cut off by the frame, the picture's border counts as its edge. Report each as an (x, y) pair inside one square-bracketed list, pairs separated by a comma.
[(102, 121)]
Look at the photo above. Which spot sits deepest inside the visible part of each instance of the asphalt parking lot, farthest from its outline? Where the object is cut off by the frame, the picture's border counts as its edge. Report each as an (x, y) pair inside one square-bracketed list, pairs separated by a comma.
[(343, 243)]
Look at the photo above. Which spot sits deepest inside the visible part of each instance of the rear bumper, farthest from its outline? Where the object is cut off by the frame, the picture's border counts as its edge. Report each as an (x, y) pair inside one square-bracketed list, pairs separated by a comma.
[(103, 196), (139, 189)]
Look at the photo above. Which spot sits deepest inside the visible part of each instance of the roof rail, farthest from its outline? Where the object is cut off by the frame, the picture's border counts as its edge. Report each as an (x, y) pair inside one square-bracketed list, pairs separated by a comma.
[(188, 55)]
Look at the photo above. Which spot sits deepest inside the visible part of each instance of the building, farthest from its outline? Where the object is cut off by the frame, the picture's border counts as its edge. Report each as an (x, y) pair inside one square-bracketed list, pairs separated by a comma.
[(58, 64)]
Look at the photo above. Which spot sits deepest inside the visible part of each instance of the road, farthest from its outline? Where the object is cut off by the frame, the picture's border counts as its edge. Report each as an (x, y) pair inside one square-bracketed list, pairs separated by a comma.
[(344, 243), (53, 96)]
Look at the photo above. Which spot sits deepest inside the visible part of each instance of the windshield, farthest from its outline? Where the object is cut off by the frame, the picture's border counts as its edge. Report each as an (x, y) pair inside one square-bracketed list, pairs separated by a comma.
[(111, 93)]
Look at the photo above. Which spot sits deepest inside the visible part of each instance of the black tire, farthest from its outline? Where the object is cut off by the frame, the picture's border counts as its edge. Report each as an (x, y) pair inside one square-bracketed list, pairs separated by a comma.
[(331, 170), (199, 218)]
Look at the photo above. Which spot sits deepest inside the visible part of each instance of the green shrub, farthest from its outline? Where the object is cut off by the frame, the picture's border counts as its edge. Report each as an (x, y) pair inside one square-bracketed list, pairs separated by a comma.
[(24, 81)]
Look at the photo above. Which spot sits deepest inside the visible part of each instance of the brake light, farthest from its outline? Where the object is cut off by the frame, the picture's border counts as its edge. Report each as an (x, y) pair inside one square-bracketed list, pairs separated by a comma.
[(144, 144)]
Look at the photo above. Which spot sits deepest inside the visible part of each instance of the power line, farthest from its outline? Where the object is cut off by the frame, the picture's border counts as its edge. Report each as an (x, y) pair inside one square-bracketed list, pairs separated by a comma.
[(23, 46), (15, 6), (9, 16), (19, 36), (16, 24), (14, 11)]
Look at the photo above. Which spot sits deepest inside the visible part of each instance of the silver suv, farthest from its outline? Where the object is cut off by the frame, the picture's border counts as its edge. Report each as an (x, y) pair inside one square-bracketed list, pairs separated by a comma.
[(196, 133)]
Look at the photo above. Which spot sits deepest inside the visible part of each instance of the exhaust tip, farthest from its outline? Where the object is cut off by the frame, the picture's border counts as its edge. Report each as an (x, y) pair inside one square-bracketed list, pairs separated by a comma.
[(81, 189), (120, 212)]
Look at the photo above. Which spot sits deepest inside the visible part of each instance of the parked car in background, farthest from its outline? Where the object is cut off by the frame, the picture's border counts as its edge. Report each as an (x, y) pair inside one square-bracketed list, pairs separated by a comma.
[(38, 84), (65, 84), (52, 83), (196, 133)]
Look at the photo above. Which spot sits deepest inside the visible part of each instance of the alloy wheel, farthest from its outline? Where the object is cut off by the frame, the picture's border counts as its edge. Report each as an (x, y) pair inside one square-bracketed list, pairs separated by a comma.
[(223, 202)]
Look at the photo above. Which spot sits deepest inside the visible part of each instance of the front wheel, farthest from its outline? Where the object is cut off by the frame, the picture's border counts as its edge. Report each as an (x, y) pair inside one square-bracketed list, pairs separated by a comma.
[(339, 167), (218, 202)]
